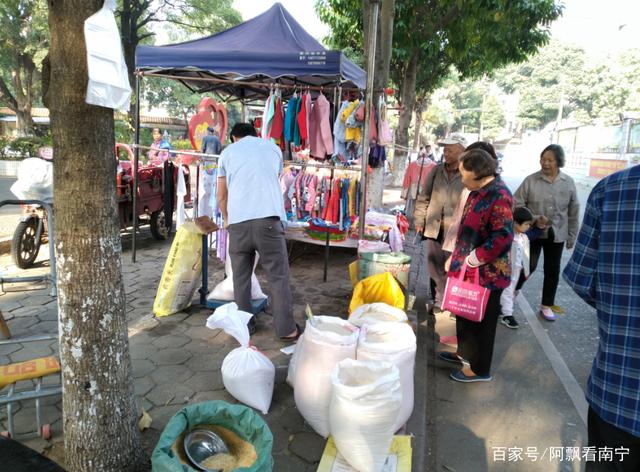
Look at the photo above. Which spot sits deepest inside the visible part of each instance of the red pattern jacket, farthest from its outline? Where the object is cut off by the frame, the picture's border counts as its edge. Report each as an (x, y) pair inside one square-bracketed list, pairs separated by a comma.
[(487, 227)]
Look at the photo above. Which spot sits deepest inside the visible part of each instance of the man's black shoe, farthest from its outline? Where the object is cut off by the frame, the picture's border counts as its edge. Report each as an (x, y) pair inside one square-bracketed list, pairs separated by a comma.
[(252, 325)]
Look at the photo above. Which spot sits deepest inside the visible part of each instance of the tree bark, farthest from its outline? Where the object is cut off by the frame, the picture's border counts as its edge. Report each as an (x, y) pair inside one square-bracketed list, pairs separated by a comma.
[(384, 43), (417, 134), (408, 93), (99, 413)]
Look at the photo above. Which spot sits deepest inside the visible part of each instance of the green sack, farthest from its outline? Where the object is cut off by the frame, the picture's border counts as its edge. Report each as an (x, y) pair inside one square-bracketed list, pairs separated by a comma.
[(397, 263), (240, 419)]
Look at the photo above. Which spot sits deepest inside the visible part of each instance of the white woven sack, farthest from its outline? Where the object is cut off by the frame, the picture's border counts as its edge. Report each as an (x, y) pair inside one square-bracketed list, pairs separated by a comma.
[(224, 290), (395, 343), (326, 342), (372, 313), (247, 374), (365, 403), (291, 371)]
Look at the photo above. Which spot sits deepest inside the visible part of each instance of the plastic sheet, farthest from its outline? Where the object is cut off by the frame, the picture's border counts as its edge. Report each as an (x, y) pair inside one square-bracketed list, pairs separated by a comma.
[(108, 84)]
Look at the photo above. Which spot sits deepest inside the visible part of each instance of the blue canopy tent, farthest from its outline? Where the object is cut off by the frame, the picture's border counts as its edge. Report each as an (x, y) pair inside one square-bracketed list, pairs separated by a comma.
[(270, 48), (244, 62)]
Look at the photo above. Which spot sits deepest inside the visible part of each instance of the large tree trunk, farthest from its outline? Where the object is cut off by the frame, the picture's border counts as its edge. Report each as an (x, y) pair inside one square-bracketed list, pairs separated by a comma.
[(24, 121), (417, 134), (99, 414), (384, 43), (408, 93)]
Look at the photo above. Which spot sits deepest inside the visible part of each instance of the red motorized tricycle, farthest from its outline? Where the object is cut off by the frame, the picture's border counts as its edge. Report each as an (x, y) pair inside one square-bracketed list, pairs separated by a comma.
[(156, 196)]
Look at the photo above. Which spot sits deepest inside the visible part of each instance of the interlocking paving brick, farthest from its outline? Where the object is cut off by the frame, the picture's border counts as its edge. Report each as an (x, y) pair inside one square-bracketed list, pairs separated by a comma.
[(36, 300), (142, 367), (143, 351), (205, 381), (171, 356), (170, 394), (171, 373), (204, 363), (27, 311), (31, 351), (143, 385), (20, 326), (171, 341)]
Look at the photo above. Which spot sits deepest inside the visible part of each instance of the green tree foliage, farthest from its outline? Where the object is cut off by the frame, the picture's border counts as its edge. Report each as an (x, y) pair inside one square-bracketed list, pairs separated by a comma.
[(431, 37), (492, 118), (592, 89), (183, 19), (541, 81), (23, 36)]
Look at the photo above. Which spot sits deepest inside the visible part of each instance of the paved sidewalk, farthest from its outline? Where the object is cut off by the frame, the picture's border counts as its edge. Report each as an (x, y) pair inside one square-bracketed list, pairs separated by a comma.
[(524, 419), (177, 360)]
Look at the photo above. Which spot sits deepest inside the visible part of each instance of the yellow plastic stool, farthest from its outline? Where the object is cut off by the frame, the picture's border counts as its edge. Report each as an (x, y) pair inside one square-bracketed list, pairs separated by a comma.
[(34, 369)]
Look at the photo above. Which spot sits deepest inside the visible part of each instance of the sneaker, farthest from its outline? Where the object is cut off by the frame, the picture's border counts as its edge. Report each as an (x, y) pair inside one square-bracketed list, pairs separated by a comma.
[(556, 309), (449, 357), (547, 314), (509, 321), (460, 377)]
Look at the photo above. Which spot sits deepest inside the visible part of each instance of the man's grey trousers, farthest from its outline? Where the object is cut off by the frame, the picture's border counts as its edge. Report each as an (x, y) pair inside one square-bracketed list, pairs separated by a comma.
[(265, 235)]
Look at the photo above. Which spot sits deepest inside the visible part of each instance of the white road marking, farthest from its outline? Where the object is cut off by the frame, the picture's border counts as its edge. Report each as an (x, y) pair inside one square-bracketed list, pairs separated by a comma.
[(569, 382)]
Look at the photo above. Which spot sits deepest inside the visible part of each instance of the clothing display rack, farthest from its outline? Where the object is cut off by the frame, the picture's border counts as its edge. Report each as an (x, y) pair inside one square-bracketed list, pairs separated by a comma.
[(294, 61), (349, 243)]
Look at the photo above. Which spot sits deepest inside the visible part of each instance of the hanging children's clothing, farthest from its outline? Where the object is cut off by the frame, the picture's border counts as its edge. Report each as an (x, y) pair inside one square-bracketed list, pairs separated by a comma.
[(415, 177), (320, 138), (339, 136), (414, 181)]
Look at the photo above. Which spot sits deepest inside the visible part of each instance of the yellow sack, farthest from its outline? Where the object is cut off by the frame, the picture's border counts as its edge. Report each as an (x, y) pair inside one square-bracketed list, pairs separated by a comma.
[(353, 273), (181, 273), (377, 288)]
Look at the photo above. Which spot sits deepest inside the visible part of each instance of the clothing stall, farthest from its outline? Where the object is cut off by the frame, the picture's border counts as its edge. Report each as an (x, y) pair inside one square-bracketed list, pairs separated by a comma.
[(272, 59)]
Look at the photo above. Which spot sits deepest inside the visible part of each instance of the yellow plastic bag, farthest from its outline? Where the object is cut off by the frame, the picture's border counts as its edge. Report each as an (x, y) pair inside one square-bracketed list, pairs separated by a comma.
[(353, 273), (181, 273), (377, 288)]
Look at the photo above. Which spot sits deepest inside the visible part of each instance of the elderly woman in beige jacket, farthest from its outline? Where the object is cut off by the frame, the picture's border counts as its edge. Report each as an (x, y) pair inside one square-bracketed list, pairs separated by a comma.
[(551, 193)]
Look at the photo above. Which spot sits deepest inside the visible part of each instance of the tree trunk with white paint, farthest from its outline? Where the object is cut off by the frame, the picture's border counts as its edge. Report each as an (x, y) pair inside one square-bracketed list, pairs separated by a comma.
[(99, 412)]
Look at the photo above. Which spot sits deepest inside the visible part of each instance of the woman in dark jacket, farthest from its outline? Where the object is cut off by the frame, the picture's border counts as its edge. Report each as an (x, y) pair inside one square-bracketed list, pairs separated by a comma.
[(483, 242)]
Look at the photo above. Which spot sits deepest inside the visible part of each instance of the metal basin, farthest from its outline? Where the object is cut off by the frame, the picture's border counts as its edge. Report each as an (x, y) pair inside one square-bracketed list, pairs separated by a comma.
[(201, 444)]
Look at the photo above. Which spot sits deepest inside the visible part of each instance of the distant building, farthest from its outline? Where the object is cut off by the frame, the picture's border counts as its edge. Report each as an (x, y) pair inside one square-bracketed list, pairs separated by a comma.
[(41, 121)]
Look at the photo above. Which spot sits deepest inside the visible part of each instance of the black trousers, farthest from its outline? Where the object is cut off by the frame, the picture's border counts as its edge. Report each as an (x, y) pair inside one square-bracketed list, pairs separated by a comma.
[(475, 340), (603, 434), (436, 258), (265, 235), (552, 260)]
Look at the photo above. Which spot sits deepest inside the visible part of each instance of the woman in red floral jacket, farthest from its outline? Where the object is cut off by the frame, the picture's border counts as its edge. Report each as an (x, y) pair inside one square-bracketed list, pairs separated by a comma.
[(484, 242)]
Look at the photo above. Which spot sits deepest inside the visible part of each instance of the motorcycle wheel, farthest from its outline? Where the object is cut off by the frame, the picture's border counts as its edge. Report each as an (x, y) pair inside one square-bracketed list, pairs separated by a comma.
[(24, 247), (159, 228)]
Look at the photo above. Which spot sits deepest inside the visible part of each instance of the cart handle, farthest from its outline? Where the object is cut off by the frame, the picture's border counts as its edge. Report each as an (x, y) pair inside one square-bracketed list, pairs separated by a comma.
[(125, 147)]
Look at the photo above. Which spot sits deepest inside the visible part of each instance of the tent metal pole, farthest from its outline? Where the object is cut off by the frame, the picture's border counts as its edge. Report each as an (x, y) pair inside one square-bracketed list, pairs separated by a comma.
[(136, 160), (371, 62), (243, 112)]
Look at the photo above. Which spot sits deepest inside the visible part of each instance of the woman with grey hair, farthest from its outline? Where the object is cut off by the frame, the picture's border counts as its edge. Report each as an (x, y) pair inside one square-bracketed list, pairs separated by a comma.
[(552, 197)]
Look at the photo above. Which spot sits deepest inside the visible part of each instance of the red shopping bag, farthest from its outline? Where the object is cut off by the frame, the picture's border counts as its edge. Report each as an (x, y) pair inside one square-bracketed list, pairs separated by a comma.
[(466, 299)]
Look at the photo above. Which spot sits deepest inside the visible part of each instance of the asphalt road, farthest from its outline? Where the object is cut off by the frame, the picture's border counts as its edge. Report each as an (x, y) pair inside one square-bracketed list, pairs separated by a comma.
[(575, 333)]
